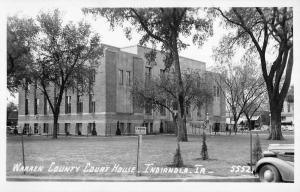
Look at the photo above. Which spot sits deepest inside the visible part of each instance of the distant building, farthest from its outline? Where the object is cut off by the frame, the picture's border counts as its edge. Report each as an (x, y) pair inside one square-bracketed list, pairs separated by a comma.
[(12, 118), (109, 104), (287, 113)]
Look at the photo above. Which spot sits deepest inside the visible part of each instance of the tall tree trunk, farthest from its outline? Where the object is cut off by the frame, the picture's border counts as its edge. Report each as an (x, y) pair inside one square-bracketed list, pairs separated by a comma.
[(235, 124), (181, 136), (182, 132), (57, 103), (175, 124), (277, 98), (275, 132), (249, 122), (55, 126), (235, 127)]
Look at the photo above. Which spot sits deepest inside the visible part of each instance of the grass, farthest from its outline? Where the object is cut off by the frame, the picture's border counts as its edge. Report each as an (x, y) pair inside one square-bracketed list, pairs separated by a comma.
[(224, 152)]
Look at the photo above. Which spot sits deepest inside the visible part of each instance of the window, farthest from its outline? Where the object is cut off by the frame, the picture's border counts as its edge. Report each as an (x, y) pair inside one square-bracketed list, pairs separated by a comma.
[(79, 104), (93, 75), (79, 128), (148, 72), (199, 111), (26, 128), (46, 128), (36, 128), (92, 107), (215, 91), (121, 77), (36, 105), (128, 127), (148, 107), (289, 107), (26, 106), (128, 78), (67, 128), (46, 106), (68, 104), (91, 128), (162, 110)]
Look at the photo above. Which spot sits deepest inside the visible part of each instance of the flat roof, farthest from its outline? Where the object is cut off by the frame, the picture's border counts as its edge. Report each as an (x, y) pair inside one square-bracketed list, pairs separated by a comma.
[(160, 51)]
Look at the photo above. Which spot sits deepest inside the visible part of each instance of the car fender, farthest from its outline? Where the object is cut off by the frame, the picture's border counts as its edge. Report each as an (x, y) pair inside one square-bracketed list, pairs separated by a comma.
[(285, 168)]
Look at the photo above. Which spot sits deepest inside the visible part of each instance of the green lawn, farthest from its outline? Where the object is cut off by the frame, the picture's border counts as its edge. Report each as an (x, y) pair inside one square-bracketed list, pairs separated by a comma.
[(224, 152)]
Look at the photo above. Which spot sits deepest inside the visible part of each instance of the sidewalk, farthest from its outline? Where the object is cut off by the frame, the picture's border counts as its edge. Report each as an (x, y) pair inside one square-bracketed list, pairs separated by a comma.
[(204, 178)]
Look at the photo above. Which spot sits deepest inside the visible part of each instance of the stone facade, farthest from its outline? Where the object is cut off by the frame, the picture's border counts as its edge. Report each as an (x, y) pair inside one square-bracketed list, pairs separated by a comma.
[(113, 102)]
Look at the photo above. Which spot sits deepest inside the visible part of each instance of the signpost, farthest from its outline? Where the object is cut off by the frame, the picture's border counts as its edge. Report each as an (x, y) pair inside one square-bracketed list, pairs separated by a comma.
[(140, 131), (23, 154), (250, 150)]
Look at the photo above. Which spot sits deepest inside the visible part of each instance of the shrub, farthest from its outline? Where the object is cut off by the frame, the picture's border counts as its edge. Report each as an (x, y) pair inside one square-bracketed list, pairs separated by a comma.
[(118, 132), (177, 160), (94, 132), (204, 153), (256, 151)]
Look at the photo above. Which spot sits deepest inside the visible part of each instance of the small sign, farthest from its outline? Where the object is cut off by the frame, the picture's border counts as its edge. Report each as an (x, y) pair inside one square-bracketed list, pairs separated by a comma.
[(140, 130)]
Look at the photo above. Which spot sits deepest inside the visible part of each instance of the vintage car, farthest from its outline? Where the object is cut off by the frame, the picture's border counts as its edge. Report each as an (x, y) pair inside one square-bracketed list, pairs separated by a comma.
[(277, 164)]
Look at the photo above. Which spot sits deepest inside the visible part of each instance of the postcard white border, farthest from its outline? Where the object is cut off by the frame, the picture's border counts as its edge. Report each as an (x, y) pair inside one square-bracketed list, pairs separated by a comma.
[(148, 186)]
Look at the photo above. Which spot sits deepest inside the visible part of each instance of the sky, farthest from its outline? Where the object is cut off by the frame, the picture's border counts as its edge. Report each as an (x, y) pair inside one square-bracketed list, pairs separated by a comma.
[(116, 37)]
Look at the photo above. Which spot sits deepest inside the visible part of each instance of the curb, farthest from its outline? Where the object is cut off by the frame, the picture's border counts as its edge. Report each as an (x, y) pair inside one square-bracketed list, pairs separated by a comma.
[(132, 179)]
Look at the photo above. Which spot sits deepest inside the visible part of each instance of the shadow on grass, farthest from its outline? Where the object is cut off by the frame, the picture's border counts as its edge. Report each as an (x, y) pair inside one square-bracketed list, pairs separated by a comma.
[(200, 159), (184, 166)]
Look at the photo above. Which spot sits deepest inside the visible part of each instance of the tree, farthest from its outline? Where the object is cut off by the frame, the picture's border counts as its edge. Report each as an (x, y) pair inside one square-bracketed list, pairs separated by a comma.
[(263, 30), (163, 26), (160, 92), (20, 35), (204, 152), (243, 88), (253, 90), (11, 107), (177, 160), (64, 57), (230, 86)]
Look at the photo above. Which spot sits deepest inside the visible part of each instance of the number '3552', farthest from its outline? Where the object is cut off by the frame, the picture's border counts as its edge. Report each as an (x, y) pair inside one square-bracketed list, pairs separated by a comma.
[(240, 169)]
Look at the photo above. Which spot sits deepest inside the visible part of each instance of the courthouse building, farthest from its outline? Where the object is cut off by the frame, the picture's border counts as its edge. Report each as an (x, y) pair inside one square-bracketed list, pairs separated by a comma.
[(110, 104)]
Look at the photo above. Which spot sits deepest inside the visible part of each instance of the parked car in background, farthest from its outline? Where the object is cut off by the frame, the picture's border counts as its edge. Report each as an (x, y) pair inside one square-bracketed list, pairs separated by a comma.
[(284, 127), (264, 127), (287, 127), (291, 128), (9, 129), (277, 164)]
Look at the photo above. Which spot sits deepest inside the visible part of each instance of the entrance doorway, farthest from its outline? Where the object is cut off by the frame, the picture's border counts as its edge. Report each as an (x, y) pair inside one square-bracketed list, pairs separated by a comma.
[(36, 128), (67, 128), (78, 128)]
